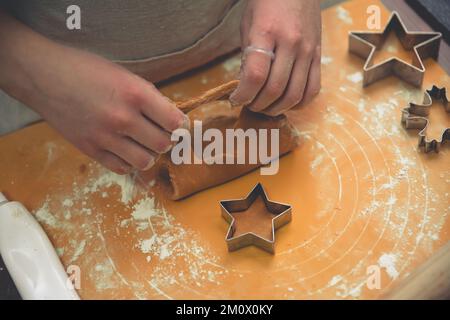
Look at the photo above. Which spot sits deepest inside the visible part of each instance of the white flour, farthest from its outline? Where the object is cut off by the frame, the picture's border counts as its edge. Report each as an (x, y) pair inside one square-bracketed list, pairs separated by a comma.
[(355, 77), (344, 15), (165, 244), (388, 261), (326, 60)]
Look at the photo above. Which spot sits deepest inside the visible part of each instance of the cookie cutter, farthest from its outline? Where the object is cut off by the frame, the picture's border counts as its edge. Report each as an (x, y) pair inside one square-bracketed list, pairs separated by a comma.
[(423, 44), (415, 117), (282, 215)]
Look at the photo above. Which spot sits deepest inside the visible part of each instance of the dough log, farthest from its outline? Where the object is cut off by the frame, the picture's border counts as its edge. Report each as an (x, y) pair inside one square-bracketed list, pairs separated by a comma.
[(179, 181)]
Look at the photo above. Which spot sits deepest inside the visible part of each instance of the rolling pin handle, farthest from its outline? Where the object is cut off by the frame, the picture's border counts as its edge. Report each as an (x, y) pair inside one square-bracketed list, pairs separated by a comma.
[(3, 198)]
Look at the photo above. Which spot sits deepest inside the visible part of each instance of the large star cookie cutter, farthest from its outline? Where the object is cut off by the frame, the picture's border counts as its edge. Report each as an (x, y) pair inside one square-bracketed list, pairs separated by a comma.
[(281, 215), (423, 44), (415, 117)]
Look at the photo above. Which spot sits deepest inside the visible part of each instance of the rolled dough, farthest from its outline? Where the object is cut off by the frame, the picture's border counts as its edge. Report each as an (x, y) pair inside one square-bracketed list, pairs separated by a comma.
[(182, 180)]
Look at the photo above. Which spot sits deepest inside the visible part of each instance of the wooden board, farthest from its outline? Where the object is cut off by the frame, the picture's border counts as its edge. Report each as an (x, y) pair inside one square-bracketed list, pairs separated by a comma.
[(362, 196)]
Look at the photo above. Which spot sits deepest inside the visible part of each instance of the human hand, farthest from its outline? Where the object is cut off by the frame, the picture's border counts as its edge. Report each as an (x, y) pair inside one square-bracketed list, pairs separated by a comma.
[(292, 30), (110, 114)]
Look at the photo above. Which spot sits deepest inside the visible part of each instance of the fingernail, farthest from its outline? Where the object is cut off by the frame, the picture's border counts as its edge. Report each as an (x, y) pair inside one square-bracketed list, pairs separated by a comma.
[(233, 101), (185, 123), (169, 147), (150, 164)]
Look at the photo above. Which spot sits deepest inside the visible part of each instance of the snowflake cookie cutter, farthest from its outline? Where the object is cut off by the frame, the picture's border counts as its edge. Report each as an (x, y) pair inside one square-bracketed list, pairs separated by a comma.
[(415, 117), (282, 214), (423, 44)]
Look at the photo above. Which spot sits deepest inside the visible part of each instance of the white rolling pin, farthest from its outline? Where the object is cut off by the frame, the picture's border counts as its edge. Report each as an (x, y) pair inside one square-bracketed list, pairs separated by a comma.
[(30, 257)]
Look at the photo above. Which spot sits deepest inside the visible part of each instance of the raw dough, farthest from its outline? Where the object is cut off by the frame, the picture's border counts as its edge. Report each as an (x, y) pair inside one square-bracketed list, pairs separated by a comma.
[(179, 181)]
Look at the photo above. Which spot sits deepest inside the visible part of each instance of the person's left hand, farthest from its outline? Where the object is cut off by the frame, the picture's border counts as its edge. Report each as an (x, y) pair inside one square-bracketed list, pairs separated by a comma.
[(292, 30)]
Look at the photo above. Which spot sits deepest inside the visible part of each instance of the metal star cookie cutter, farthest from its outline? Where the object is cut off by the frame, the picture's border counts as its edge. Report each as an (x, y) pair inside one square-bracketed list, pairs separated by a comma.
[(282, 215), (415, 117), (423, 44)]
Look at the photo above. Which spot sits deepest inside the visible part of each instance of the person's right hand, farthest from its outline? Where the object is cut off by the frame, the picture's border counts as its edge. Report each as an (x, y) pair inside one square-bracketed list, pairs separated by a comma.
[(110, 114), (107, 112)]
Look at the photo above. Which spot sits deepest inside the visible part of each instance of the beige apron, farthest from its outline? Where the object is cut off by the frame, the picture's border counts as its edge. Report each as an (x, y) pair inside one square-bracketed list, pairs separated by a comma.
[(153, 38)]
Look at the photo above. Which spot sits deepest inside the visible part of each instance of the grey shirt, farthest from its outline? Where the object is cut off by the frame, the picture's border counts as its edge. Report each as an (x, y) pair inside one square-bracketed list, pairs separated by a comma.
[(153, 38)]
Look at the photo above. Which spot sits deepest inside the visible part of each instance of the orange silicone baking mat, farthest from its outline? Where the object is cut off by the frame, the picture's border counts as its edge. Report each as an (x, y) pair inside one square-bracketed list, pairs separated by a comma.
[(361, 194)]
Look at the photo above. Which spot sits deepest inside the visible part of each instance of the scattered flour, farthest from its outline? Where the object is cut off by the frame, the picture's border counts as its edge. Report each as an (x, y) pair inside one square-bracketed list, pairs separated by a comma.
[(345, 290), (391, 200), (44, 215), (51, 147), (334, 117), (316, 162), (59, 251), (326, 60), (344, 15), (86, 211), (104, 276), (361, 105), (388, 262), (164, 252), (167, 246), (383, 109), (107, 179), (204, 80), (67, 203), (335, 280), (78, 251), (233, 64), (145, 209), (355, 77), (146, 245), (373, 206)]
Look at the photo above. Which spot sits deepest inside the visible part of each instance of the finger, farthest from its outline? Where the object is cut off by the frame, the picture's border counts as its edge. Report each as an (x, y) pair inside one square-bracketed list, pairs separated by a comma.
[(113, 162), (130, 151), (244, 30), (162, 111), (277, 81), (296, 87), (149, 135), (313, 83), (255, 69)]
